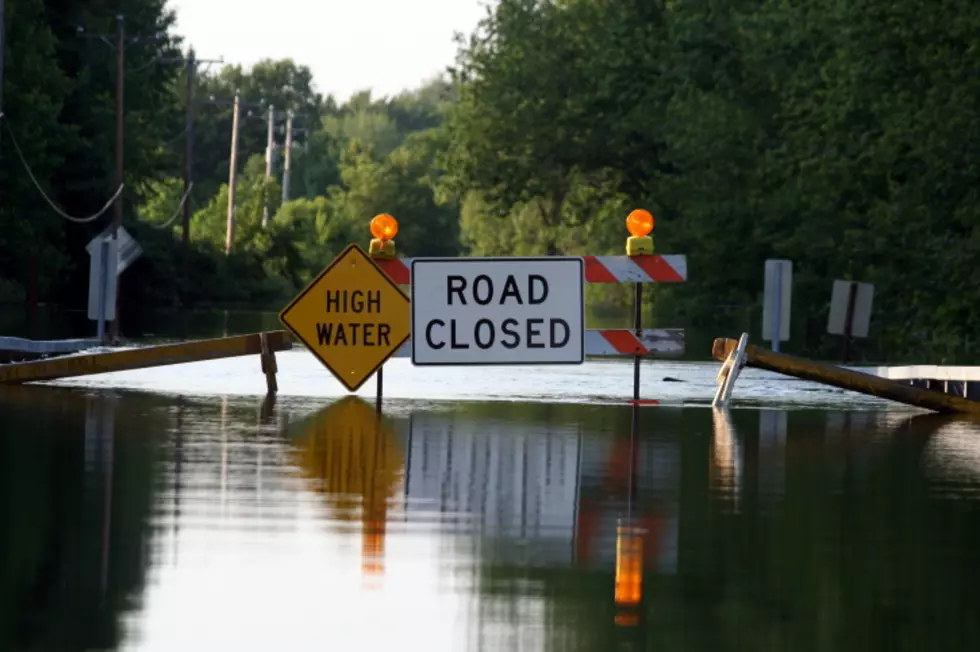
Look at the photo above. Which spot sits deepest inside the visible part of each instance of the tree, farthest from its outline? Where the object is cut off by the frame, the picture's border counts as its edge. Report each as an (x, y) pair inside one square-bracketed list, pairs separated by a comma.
[(34, 91), (533, 121), (400, 184)]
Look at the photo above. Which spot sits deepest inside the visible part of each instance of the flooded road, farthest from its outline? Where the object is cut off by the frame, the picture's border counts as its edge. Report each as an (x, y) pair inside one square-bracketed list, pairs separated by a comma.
[(596, 381), (212, 520)]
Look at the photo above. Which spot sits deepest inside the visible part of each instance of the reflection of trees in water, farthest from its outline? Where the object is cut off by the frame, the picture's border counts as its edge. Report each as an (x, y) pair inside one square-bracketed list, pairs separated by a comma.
[(76, 484), (860, 550)]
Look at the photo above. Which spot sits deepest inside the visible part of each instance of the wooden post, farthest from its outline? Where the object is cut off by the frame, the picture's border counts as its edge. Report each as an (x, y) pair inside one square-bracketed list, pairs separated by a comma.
[(854, 381), (269, 366), (267, 409)]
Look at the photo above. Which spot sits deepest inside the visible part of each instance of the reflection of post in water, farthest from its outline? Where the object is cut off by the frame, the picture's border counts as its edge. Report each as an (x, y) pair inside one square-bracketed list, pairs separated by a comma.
[(629, 535), (224, 455), (374, 510), (408, 463), (354, 456), (267, 412), (618, 480), (268, 409), (771, 463), (100, 419), (178, 474), (725, 459)]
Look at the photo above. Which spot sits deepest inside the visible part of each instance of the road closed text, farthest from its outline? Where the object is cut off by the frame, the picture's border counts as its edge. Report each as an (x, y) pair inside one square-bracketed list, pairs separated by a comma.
[(497, 311)]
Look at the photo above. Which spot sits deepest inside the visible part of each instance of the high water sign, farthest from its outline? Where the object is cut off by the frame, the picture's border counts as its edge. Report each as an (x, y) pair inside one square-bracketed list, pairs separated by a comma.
[(352, 317)]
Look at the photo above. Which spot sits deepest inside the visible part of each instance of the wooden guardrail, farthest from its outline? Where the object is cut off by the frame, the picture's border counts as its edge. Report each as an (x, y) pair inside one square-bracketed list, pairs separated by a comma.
[(262, 344), (849, 379)]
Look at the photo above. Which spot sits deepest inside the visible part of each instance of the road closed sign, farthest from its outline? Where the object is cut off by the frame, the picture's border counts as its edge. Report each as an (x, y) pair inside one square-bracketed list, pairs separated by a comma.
[(498, 311)]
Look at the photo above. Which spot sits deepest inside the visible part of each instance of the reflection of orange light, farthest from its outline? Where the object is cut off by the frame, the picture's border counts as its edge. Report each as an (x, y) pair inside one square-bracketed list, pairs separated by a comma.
[(629, 566), (627, 619), (373, 548)]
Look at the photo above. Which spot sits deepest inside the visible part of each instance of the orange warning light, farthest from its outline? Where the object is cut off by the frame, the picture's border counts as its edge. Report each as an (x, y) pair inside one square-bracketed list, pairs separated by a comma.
[(384, 227), (639, 223)]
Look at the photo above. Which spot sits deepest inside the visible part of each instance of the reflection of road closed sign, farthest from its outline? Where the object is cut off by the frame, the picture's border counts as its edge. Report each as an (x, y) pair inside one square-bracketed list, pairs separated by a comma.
[(498, 311)]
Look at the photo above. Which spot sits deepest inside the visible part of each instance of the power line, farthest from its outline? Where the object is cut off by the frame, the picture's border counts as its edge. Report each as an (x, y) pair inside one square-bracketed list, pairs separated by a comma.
[(173, 218), (20, 154)]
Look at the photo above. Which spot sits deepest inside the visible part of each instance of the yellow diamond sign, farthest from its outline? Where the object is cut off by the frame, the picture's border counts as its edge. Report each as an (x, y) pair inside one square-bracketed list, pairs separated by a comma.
[(352, 317)]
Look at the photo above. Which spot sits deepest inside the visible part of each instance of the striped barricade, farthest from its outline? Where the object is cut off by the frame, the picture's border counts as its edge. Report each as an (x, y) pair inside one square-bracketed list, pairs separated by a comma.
[(598, 269)]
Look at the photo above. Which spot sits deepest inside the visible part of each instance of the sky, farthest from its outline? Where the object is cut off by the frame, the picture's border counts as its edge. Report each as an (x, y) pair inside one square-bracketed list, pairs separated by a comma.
[(350, 45)]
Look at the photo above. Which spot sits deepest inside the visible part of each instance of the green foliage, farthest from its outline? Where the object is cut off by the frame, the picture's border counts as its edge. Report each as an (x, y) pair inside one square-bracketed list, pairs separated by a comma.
[(842, 137), (836, 136)]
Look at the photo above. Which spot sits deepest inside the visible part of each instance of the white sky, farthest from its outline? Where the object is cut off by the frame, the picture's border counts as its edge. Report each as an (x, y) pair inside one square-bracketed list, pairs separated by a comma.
[(349, 45)]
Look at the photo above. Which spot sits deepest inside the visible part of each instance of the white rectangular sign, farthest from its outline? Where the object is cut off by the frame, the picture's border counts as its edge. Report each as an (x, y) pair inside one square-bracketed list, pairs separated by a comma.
[(498, 311), (776, 303), (864, 294)]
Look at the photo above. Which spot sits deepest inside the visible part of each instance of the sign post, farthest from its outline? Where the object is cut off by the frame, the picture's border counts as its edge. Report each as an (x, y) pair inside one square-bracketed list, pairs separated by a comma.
[(352, 317), (498, 311), (850, 312), (776, 304), (109, 257)]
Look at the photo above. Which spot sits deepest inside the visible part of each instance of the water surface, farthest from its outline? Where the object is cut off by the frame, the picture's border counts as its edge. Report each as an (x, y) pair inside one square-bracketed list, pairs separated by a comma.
[(203, 521)]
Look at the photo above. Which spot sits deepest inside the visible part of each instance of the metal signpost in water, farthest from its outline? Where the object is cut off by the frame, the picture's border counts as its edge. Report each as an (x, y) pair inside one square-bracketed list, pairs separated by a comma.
[(776, 306), (498, 311), (103, 258), (109, 257)]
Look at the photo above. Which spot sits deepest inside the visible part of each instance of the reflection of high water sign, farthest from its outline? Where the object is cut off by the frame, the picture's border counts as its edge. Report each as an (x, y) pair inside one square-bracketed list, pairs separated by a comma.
[(498, 311)]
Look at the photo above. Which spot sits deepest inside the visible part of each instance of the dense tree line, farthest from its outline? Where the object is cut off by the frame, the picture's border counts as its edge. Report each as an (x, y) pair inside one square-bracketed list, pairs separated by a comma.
[(842, 137)]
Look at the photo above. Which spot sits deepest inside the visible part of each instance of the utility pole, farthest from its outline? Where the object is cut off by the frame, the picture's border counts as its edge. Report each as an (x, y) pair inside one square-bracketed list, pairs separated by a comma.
[(288, 156), (2, 32), (119, 44), (118, 208), (232, 165), (270, 146), (120, 89), (188, 149), (191, 63)]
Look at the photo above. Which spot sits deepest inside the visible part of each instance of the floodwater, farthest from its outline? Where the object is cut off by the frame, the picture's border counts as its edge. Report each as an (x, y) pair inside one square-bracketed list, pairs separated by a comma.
[(177, 509)]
